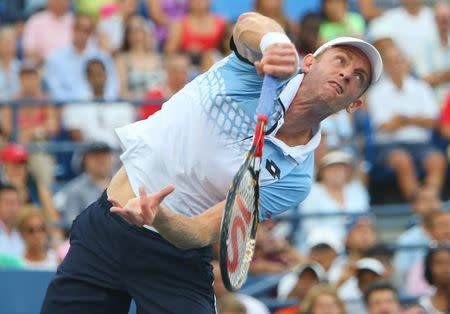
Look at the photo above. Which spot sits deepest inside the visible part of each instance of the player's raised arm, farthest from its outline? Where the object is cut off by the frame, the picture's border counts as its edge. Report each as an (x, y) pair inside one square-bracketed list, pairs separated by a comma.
[(263, 42)]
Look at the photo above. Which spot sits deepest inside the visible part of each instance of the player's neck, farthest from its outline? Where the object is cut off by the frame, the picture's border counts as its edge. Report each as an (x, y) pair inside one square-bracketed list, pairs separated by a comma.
[(294, 139)]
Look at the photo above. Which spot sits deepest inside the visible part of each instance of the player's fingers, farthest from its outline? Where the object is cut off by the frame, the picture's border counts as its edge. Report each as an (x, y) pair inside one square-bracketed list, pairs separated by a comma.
[(114, 202), (143, 197), (291, 51), (259, 67), (280, 60), (121, 212), (286, 46), (283, 71), (130, 215), (159, 196)]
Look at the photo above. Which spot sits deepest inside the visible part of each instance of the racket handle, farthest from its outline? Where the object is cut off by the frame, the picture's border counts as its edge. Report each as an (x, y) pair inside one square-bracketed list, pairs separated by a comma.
[(268, 95)]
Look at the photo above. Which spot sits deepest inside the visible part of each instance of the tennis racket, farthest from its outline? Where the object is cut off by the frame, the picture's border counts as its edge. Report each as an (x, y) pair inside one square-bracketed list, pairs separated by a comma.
[(240, 218)]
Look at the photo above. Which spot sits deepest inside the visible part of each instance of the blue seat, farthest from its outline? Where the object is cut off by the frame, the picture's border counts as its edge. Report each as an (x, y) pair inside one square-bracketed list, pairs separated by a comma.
[(22, 292)]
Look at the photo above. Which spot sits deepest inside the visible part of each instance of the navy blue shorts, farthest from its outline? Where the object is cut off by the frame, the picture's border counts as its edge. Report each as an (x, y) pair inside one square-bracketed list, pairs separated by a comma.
[(111, 262)]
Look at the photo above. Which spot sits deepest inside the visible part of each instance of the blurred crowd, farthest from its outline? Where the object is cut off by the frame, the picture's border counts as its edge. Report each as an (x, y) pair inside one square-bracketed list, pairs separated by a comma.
[(73, 71)]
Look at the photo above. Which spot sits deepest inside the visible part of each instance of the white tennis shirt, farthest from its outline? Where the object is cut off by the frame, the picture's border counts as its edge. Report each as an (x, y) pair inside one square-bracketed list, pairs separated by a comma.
[(198, 140)]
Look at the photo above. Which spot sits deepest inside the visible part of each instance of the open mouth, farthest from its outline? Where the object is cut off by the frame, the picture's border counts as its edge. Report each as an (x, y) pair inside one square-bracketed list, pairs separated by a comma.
[(337, 86)]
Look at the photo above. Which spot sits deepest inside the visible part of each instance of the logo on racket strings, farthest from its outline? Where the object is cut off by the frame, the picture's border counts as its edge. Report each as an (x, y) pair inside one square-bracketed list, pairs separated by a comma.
[(239, 225)]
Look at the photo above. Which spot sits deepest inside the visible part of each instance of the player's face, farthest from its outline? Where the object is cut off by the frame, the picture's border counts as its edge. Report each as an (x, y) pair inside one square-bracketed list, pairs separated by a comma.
[(338, 76)]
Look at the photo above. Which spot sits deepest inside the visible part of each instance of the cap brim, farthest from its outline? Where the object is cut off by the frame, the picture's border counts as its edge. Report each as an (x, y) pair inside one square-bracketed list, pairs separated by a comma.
[(370, 51)]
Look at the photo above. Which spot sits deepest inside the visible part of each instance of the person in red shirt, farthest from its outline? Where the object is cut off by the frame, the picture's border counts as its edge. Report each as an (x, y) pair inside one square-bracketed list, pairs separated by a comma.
[(196, 33), (444, 120)]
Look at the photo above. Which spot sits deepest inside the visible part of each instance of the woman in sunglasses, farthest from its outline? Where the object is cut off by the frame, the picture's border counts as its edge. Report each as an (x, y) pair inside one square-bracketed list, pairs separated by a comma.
[(31, 224)]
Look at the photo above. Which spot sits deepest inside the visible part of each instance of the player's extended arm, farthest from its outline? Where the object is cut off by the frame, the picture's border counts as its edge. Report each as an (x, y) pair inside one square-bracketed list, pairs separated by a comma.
[(182, 231), (190, 232)]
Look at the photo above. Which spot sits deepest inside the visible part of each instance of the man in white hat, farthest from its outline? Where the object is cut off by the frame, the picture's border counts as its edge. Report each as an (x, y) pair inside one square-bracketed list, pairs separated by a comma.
[(197, 142)]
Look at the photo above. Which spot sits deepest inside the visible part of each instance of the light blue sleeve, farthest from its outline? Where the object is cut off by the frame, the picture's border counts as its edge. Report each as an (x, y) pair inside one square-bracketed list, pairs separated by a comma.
[(52, 77), (287, 192)]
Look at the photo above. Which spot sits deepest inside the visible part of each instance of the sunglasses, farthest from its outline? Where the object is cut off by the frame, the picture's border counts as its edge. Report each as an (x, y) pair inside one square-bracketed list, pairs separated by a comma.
[(34, 229)]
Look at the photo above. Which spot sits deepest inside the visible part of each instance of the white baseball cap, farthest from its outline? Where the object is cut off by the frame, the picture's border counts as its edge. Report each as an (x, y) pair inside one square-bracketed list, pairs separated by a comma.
[(371, 264), (370, 51), (336, 157), (324, 236)]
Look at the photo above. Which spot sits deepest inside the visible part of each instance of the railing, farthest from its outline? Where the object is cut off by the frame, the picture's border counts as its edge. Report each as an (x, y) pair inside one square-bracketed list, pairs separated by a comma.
[(16, 104)]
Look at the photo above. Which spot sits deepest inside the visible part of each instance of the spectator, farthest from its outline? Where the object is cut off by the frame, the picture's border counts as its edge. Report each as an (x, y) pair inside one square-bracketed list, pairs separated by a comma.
[(111, 29), (297, 283), (416, 283), (361, 236), (337, 190), (252, 305), (272, 255), (77, 194), (14, 158), (403, 130), (162, 13), (11, 242), (48, 30), (197, 32), (139, 66), (385, 254), (99, 119), (366, 271), (33, 229), (338, 132), (339, 21), (382, 298), (425, 203), (322, 299), (324, 247), (410, 25), (308, 36), (177, 75), (434, 64), (444, 120), (437, 274), (274, 9), (35, 123), (9, 65), (64, 69), (369, 9)]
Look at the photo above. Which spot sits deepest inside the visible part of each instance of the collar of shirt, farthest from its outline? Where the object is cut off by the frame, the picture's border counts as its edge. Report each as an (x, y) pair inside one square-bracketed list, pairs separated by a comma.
[(300, 152)]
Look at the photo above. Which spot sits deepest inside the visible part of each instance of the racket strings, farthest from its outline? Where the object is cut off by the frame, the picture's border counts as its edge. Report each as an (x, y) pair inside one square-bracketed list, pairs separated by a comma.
[(246, 244)]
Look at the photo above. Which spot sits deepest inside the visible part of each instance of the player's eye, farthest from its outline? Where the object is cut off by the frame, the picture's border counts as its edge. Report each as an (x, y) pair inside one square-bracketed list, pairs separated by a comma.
[(339, 60), (360, 78)]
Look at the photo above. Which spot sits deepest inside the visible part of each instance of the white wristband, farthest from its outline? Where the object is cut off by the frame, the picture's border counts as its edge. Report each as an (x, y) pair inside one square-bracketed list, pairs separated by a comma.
[(273, 38)]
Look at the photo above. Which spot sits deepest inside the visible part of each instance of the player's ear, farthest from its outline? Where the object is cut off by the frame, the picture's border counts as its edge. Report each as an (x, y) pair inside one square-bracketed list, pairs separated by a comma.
[(354, 105), (308, 61)]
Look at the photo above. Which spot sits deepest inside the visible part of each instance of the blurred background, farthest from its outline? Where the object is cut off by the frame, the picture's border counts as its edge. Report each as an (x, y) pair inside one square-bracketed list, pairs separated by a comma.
[(372, 237)]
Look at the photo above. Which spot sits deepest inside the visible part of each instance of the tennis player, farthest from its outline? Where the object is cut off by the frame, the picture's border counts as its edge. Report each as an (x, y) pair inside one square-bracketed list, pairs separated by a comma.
[(155, 248)]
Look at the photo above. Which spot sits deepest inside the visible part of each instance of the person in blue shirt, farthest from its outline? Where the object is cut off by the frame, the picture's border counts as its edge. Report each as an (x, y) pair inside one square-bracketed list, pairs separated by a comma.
[(156, 248), (64, 69)]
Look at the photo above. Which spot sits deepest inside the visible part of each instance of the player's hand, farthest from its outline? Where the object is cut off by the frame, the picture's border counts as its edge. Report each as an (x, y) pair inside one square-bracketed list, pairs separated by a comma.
[(279, 60), (142, 211)]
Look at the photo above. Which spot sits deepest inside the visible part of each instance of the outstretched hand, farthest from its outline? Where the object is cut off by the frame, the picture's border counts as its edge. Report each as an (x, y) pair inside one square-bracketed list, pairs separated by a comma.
[(141, 210)]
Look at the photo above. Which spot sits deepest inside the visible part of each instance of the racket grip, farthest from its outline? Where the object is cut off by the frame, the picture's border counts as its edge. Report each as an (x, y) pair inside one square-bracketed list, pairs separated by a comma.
[(268, 95)]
